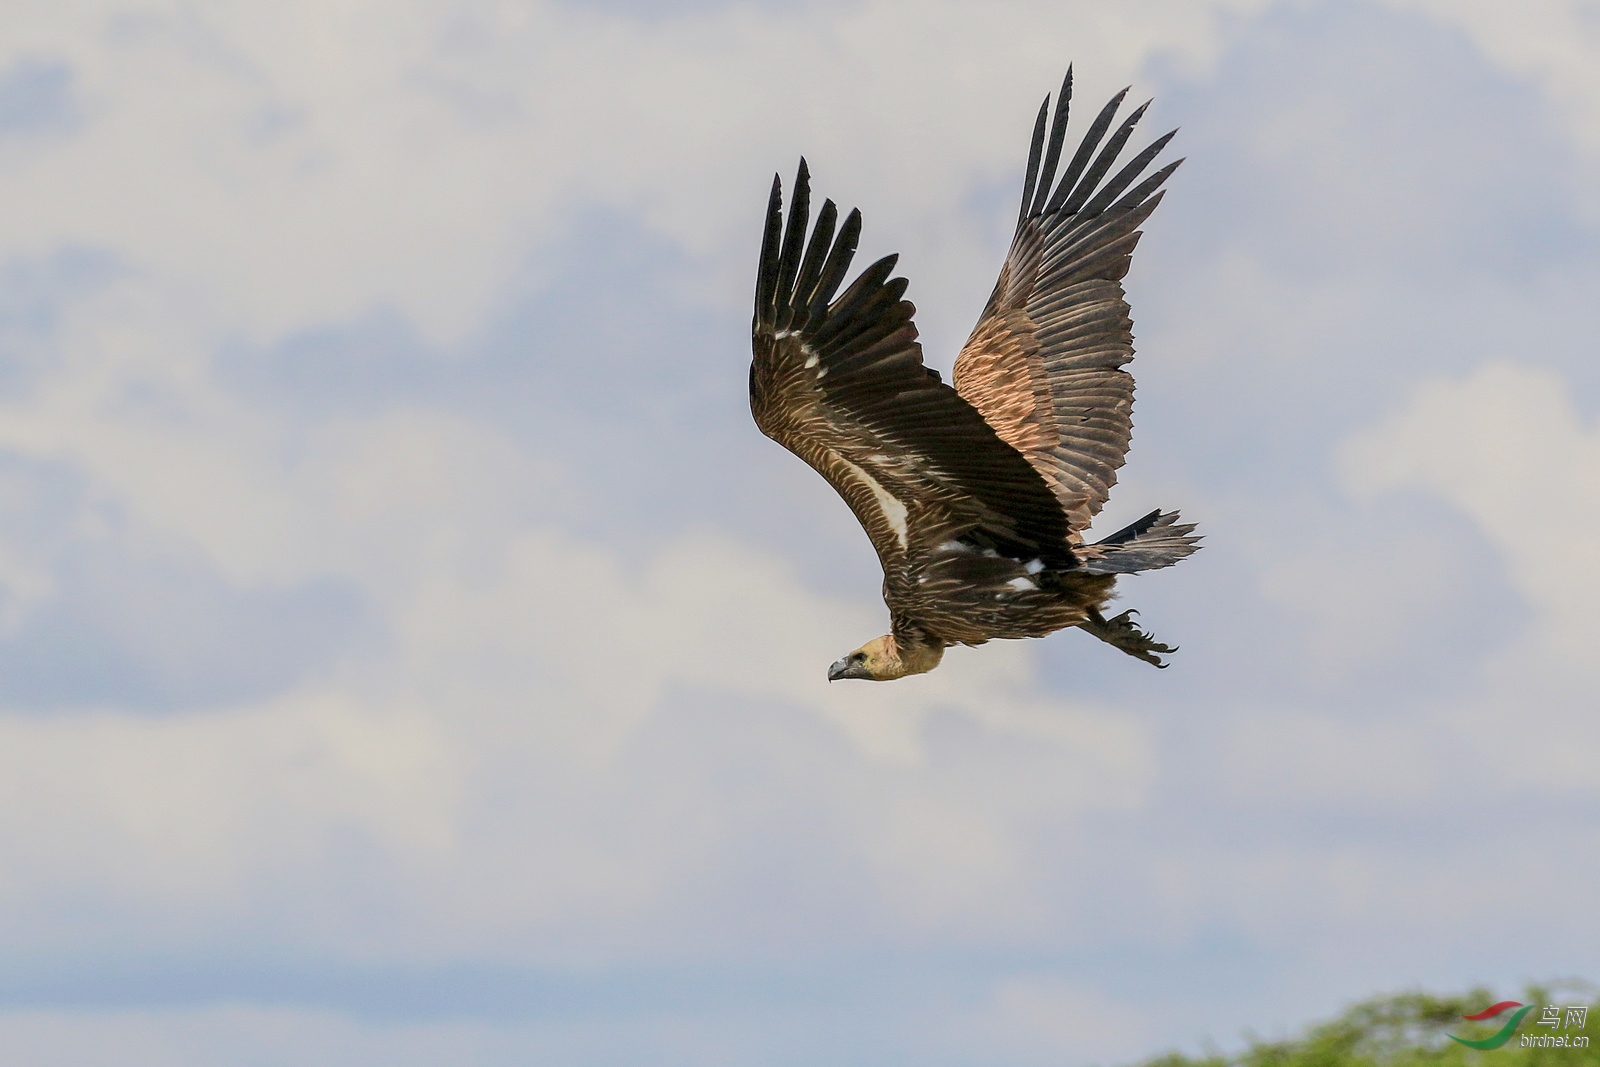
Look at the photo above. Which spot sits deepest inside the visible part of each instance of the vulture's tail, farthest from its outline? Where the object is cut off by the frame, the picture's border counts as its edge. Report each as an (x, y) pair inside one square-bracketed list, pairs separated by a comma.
[(1155, 541)]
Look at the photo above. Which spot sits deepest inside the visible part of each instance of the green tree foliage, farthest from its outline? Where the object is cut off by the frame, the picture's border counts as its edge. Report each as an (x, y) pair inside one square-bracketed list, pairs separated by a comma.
[(1413, 1030)]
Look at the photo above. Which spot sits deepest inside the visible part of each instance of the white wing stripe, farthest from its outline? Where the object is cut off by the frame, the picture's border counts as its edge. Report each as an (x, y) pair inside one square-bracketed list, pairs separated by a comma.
[(893, 511)]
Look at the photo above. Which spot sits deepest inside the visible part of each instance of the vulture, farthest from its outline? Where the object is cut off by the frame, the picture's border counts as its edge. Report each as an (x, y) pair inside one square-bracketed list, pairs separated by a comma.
[(976, 494)]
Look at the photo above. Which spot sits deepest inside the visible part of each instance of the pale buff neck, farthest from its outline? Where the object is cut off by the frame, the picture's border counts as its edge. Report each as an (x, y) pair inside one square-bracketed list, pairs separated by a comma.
[(915, 657)]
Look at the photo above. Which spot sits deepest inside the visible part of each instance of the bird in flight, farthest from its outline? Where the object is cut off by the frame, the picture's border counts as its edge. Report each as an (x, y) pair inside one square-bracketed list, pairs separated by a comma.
[(975, 496)]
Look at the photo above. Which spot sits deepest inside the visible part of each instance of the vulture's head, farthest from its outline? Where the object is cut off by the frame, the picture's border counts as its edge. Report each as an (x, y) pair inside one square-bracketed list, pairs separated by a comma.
[(883, 660)]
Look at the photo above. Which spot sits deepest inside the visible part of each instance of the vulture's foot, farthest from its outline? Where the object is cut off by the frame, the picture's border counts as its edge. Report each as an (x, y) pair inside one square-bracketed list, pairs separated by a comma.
[(1122, 632)]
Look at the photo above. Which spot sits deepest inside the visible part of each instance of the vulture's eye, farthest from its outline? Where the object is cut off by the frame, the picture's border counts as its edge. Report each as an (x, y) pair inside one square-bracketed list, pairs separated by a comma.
[(858, 657)]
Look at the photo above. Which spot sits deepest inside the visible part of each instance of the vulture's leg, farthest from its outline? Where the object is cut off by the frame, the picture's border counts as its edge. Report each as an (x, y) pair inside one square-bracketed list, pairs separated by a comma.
[(1121, 632)]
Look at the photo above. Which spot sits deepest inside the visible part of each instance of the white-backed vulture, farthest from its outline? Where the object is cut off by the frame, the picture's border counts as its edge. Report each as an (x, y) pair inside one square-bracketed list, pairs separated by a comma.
[(976, 497)]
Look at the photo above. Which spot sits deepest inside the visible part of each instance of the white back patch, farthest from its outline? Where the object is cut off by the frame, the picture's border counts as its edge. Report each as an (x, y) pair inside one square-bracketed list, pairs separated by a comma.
[(893, 511)]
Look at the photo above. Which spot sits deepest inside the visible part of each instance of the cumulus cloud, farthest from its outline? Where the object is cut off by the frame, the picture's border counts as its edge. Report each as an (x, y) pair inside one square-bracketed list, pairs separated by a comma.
[(1555, 44), (1507, 449)]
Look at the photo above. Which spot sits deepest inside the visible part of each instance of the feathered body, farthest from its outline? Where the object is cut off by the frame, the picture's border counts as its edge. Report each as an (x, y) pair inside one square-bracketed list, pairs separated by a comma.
[(975, 497)]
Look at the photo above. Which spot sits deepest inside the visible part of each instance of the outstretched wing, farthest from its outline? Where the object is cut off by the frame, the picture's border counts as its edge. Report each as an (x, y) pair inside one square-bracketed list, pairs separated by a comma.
[(1044, 364), (841, 384)]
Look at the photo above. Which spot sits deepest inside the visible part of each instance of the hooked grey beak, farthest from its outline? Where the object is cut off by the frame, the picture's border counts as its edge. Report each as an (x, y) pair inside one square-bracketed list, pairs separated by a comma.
[(840, 669)]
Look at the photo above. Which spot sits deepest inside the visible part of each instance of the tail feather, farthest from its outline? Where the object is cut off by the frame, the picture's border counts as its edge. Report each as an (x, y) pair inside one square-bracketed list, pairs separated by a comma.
[(1157, 540)]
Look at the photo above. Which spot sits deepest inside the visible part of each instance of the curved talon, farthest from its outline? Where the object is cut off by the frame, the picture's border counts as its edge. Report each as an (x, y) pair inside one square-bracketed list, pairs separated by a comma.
[(1120, 631)]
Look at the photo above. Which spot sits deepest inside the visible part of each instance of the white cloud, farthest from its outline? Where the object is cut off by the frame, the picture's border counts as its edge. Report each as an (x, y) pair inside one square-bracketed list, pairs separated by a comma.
[(260, 171), (297, 164), (1555, 43), (1506, 448), (1365, 593), (487, 755)]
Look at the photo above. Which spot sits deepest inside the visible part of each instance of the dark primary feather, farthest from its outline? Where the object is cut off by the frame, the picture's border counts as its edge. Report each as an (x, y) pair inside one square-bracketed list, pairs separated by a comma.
[(1091, 140), (840, 382), (1102, 163), (1045, 362), (1033, 159), (1058, 135)]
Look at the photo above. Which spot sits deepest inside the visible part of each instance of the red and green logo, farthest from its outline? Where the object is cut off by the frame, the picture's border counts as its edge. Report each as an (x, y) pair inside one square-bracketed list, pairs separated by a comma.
[(1501, 1036)]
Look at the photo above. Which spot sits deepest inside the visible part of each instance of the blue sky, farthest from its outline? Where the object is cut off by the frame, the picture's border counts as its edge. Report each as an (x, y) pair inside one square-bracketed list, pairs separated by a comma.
[(410, 653)]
